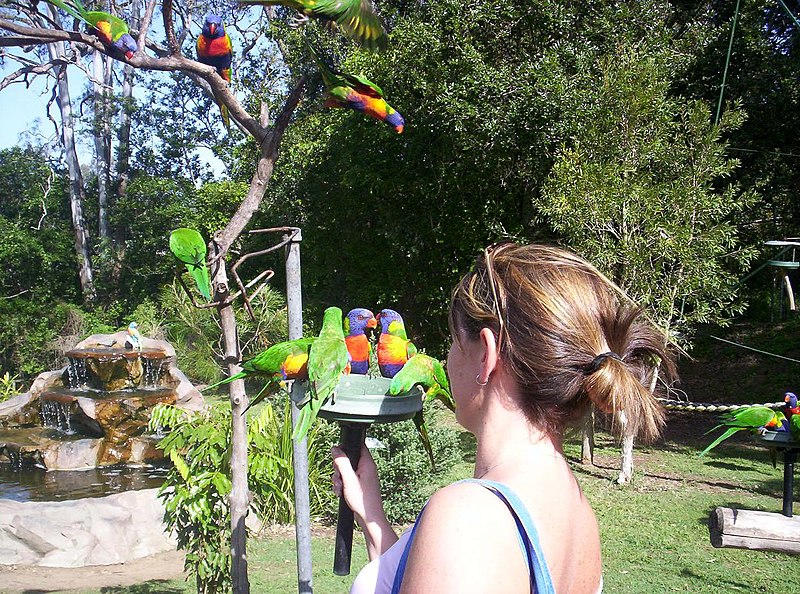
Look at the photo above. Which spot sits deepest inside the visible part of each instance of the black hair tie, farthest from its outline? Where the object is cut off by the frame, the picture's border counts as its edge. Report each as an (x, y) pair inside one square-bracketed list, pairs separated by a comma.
[(598, 361)]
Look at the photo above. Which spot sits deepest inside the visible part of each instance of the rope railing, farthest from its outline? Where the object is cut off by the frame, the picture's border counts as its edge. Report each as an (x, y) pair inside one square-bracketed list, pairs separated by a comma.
[(671, 404)]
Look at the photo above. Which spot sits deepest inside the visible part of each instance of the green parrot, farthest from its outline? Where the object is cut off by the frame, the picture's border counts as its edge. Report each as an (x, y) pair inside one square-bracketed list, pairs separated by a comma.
[(752, 418), (282, 361), (111, 30), (794, 427), (190, 248), (328, 359), (356, 18), (427, 372)]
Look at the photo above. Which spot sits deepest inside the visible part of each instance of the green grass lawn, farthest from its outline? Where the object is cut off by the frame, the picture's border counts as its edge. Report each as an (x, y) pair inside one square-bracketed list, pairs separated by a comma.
[(654, 530)]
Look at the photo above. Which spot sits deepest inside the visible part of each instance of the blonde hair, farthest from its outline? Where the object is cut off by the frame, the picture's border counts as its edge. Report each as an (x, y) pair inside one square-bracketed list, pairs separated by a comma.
[(567, 335)]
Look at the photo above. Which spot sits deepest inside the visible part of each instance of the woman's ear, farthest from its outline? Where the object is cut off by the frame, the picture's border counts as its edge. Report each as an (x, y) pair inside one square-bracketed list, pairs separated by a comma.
[(489, 354)]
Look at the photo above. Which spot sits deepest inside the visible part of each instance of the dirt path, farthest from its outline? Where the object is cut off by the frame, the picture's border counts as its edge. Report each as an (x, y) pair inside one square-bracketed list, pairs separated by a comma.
[(35, 580)]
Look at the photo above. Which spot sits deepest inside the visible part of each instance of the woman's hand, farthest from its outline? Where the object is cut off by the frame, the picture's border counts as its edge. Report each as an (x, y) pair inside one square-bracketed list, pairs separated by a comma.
[(360, 487), (361, 490)]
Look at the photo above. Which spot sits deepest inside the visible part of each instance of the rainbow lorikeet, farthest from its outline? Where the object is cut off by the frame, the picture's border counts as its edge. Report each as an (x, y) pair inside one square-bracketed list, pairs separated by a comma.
[(750, 418), (356, 324), (425, 371), (328, 359), (794, 427), (282, 361), (111, 30), (214, 49), (356, 92), (356, 18), (394, 347), (790, 408), (188, 247)]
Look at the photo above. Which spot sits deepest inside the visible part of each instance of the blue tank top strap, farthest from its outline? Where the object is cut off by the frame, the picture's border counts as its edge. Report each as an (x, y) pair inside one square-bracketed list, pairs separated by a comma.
[(541, 581)]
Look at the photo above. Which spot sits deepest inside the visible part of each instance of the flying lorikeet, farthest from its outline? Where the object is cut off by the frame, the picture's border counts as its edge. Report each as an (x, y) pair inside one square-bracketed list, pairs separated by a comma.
[(327, 361), (188, 247), (394, 347), (427, 372), (356, 324), (750, 418), (356, 18), (282, 361), (214, 49), (356, 92), (111, 30)]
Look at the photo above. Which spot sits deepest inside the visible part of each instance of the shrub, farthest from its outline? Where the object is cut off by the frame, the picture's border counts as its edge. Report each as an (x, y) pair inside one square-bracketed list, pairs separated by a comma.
[(407, 479)]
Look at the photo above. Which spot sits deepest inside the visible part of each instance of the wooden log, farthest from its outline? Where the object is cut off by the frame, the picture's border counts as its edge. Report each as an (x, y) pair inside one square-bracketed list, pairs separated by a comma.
[(758, 530)]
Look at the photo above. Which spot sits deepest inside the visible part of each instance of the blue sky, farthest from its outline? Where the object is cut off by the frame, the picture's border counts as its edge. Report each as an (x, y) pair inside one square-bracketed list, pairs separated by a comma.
[(21, 107)]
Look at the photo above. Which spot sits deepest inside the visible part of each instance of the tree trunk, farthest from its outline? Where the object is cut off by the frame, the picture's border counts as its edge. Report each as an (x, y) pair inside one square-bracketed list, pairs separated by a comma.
[(85, 272), (587, 444), (240, 495), (102, 138)]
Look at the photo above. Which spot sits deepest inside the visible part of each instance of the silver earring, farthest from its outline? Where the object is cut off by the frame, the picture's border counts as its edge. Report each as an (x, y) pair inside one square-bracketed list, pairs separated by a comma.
[(479, 382)]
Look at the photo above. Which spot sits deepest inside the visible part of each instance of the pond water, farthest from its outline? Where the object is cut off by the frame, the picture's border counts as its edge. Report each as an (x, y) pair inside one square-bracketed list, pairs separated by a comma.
[(37, 484)]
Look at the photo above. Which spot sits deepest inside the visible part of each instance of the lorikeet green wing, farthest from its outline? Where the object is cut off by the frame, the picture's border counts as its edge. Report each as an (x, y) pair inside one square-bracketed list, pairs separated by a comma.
[(422, 430), (794, 427), (111, 30), (356, 18), (751, 418), (282, 361), (356, 92), (328, 359), (189, 247), (427, 372)]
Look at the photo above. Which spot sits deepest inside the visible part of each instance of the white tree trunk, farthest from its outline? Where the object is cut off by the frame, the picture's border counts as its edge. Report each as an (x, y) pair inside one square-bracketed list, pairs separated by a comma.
[(102, 71), (85, 273), (587, 444)]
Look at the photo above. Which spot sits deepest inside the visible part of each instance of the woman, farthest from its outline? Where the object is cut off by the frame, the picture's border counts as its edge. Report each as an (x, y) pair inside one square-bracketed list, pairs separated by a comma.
[(538, 335)]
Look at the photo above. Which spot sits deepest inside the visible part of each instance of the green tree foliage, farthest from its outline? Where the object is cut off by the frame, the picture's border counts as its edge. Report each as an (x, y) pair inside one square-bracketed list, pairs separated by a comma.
[(196, 489), (643, 191), (762, 79)]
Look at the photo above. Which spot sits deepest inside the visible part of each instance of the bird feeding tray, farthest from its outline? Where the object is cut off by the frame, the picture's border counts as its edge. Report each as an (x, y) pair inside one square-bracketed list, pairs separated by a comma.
[(364, 399), (356, 403), (783, 442)]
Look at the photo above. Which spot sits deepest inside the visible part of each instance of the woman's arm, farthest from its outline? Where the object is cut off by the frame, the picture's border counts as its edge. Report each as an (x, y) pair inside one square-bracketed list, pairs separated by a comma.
[(361, 490)]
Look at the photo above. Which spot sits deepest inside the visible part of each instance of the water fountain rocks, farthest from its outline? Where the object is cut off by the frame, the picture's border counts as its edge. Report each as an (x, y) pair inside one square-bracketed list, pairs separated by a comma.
[(94, 411), (91, 414)]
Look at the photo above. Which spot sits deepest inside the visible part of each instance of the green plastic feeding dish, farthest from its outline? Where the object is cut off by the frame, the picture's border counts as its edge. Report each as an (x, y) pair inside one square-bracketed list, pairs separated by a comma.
[(364, 399)]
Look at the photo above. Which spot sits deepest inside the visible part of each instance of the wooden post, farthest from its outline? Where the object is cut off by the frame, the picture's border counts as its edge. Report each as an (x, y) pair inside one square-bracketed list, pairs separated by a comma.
[(749, 529)]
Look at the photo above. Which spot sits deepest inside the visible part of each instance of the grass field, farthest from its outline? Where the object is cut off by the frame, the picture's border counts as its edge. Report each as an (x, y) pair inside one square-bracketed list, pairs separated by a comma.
[(654, 530)]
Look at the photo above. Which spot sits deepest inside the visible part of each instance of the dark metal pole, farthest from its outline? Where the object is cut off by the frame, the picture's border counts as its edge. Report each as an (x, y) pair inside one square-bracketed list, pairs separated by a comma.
[(294, 304), (789, 458), (351, 438)]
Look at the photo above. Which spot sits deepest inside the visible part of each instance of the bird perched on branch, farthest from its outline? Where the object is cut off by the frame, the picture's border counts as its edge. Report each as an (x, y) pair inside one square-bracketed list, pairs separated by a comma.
[(188, 246), (750, 418), (214, 48), (282, 361), (356, 325), (328, 359), (356, 18), (111, 30), (352, 91)]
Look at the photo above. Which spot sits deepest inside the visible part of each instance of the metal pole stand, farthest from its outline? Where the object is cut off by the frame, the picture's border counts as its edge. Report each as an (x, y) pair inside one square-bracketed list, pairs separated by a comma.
[(789, 458), (351, 437)]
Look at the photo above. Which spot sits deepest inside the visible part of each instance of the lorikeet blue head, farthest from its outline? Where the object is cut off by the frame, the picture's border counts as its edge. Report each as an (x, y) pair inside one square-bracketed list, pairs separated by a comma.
[(396, 121), (790, 399), (124, 46), (213, 27), (386, 317), (358, 321)]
